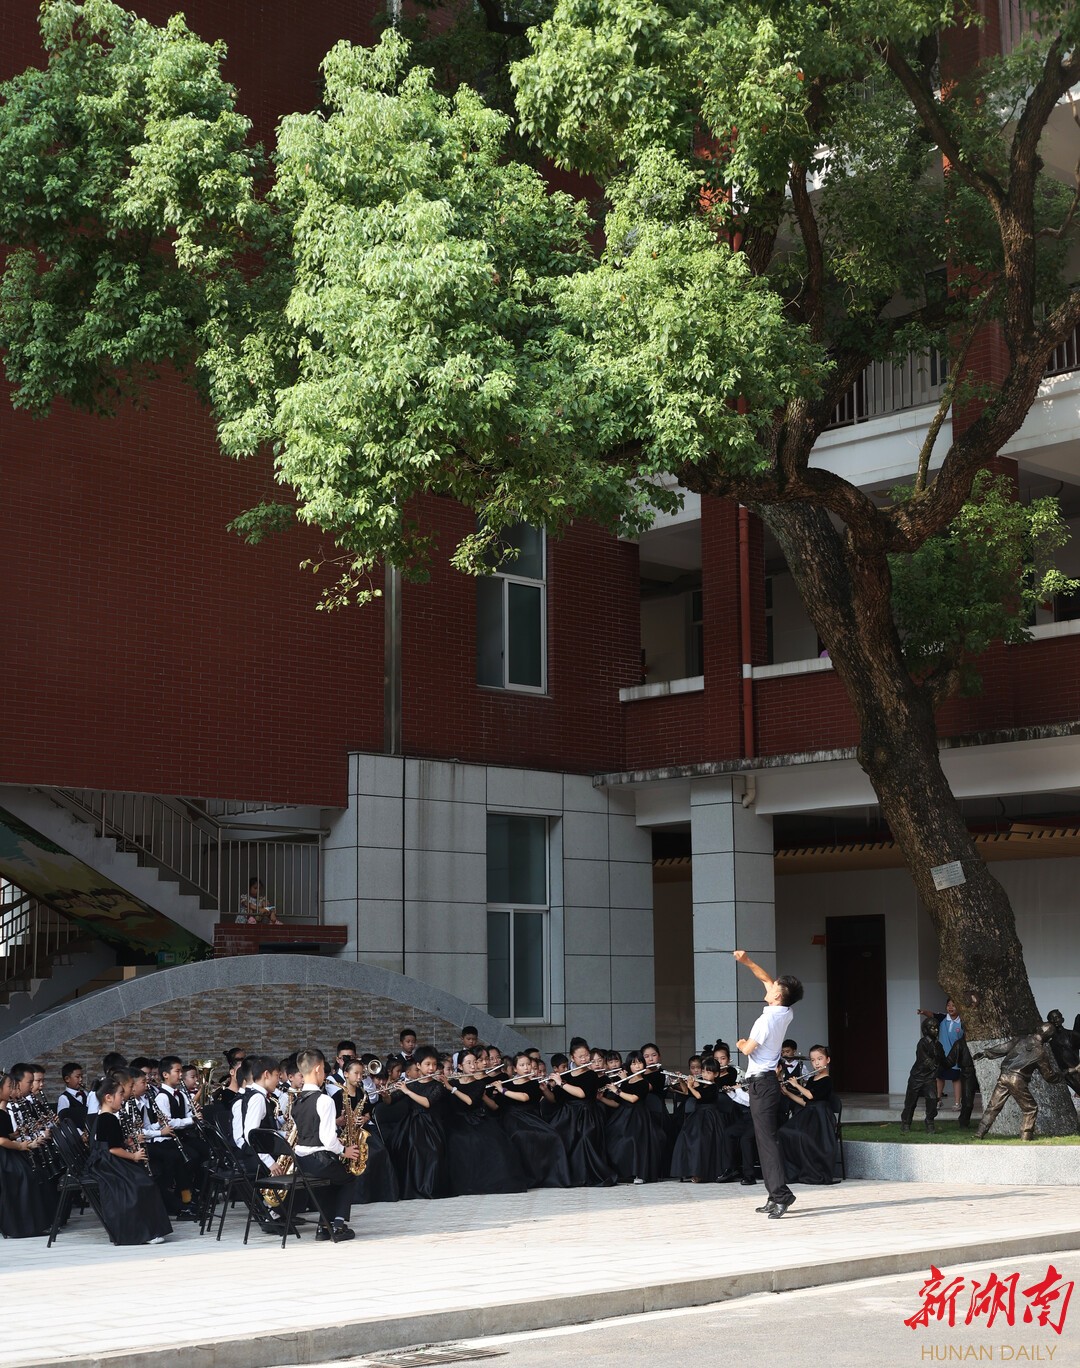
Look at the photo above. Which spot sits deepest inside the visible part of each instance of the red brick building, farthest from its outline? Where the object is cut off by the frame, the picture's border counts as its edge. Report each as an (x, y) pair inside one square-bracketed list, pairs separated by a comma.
[(564, 795)]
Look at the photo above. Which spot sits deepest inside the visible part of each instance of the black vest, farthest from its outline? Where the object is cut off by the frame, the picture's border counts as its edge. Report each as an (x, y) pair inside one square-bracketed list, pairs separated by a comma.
[(305, 1115), (246, 1097), (76, 1108), (177, 1109)]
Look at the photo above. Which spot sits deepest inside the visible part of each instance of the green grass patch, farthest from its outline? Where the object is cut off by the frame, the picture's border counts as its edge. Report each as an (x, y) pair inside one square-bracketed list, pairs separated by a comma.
[(947, 1133)]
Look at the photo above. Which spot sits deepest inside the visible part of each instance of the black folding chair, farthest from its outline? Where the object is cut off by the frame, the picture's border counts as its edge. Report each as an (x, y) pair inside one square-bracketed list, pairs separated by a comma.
[(273, 1143), (836, 1102), (224, 1180), (75, 1181)]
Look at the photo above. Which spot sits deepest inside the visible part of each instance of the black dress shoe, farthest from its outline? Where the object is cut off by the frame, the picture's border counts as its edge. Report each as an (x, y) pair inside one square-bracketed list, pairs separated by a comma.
[(777, 1209), (767, 1207), (342, 1232), (729, 1176), (748, 1182)]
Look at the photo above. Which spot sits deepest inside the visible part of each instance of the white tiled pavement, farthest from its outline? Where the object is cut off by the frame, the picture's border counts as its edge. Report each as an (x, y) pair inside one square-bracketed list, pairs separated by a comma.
[(543, 1258)]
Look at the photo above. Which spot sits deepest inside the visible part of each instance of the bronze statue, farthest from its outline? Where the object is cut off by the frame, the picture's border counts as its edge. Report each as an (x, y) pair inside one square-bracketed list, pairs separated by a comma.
[(1019, 1060), (1065, 1047), (922, 1080)]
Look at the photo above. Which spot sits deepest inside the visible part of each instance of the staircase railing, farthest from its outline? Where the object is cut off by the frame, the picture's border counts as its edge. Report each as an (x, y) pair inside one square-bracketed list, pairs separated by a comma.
[(185, 846), (31, 935), (209, 856)]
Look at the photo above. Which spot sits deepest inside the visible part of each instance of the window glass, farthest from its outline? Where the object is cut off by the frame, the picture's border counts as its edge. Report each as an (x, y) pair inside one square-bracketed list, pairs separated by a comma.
[(529, 965), (526, 635), (489, 632), (516, 859), (499, 964)]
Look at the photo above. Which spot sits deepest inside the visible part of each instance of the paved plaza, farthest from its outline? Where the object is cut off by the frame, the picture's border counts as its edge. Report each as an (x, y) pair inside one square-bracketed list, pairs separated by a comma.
[(434, 1271)]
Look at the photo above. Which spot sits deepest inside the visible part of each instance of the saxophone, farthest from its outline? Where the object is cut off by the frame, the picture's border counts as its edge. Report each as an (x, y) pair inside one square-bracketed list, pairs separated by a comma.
[(353, 1133), (273, 1197)]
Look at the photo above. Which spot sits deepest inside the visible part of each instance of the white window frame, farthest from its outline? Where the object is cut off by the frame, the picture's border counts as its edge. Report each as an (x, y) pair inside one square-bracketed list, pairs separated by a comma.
[(507, 577), (508, 910)]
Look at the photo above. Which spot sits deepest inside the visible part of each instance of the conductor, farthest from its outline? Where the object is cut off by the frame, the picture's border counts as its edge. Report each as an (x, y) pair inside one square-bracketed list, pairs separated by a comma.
[(762, 1048)]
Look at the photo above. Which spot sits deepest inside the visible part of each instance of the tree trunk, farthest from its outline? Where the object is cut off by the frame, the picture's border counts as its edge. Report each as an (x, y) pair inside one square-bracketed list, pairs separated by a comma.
[(847, 594)]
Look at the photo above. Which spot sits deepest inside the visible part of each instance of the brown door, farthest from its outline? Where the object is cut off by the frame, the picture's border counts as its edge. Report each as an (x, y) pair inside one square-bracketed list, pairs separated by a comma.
[(858, 1016)]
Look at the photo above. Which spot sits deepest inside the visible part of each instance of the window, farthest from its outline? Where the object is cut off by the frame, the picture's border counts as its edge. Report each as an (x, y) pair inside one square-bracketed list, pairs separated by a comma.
[(511, 617), (518, 916)]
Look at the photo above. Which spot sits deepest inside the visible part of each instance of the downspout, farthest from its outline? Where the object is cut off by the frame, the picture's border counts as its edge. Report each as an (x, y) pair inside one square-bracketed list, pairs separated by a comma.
[(745, 633)]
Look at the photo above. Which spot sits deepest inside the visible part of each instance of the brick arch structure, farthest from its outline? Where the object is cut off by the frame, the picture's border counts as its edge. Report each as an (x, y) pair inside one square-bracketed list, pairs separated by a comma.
[(269, 1003)]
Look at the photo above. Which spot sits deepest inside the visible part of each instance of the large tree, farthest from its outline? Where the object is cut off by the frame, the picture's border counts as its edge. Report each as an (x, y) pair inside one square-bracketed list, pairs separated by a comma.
[(396, 304)]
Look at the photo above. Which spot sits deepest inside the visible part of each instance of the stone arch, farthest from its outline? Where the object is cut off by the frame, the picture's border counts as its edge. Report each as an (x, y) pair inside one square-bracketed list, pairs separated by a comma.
[(270, 1003)]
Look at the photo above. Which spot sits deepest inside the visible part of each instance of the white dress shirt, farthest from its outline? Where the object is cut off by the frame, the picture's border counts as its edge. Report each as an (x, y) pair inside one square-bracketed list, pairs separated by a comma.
[(328, 1135), (770, 1031)]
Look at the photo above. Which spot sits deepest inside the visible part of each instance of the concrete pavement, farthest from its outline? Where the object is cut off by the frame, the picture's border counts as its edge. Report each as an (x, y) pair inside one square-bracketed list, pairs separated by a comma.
[(438, 1271)]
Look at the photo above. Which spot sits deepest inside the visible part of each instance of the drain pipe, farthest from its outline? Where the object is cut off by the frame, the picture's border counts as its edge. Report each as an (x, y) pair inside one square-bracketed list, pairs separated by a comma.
[(744, 627)]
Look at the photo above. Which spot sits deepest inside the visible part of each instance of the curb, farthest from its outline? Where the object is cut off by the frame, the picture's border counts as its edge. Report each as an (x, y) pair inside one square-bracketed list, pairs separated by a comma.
[(317, 1344)]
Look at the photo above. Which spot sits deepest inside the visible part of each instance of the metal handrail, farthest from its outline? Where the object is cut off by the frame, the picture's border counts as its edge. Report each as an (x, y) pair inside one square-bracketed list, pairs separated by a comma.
[(887, 388), (195, 847), (31, 934)]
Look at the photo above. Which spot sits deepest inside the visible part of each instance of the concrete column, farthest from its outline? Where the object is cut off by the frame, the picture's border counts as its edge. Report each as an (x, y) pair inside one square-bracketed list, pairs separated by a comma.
[(733, 907)]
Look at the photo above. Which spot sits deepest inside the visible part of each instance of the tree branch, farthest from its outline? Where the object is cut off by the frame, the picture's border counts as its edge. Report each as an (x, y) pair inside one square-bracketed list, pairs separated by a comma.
[(921, 95), (815, 256), (1066, 223), (950, 389)]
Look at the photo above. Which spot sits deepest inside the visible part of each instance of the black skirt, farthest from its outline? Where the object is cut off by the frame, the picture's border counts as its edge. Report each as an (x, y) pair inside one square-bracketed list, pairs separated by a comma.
[(418, 1145), (579, 1122), (635, 1139), (809, 1145), (27, 1200), (538, 1145), (131, 1204), (480, 1157)]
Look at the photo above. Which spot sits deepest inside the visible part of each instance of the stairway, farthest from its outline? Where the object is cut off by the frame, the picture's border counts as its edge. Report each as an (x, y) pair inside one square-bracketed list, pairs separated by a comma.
[(55, 816)]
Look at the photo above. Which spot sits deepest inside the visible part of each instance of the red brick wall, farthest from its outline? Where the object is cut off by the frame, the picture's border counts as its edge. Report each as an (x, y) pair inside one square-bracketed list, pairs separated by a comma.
[(146, 647), (594, 650)]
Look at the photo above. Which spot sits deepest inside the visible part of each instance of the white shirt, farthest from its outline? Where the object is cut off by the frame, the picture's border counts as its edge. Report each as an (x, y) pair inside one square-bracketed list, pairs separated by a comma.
[(770, 1030), (177, 1123), (245, 1123), (328, 1136)]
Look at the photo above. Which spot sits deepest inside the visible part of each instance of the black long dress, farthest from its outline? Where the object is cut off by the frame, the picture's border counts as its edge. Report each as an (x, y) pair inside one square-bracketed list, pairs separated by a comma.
[(634, 1137), (27, 1200), (480, 1156), (702, 1149), (808, 1141), (579, 1122), (539, 1146), (656, 1101), (130, 1202), (417, 1143)]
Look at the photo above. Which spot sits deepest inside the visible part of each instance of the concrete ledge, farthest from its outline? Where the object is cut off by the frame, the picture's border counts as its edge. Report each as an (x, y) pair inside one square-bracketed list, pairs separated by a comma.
[(980, 1165), (47, 1032), (316, 1344)]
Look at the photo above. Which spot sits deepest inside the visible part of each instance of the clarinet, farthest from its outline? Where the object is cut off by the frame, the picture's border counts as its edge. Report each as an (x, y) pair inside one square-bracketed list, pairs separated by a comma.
[(153, 1092), (130, 1119)]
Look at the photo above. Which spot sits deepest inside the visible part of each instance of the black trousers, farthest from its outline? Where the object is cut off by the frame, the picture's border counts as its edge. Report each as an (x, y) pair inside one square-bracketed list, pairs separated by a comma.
[(766, 1104), (336, 1201), (927, 1090)]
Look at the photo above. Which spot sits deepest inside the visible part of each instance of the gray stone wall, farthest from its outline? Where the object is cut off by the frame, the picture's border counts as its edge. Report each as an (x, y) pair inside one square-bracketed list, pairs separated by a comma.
[(267, 1003)]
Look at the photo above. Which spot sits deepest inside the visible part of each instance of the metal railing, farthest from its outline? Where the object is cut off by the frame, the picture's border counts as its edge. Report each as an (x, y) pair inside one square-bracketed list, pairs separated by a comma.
[(209, 857), (31, 935), (883, 388), (1066, 356), (920, 379)]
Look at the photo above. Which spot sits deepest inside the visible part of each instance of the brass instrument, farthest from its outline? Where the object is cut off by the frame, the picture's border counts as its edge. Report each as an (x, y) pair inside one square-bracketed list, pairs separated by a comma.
[(273, 1197), (202, 1092), (353, 1133)]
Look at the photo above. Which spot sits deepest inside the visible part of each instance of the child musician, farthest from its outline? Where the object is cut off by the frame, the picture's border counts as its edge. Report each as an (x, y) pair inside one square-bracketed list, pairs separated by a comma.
[(131, 1205), (319, 1151)]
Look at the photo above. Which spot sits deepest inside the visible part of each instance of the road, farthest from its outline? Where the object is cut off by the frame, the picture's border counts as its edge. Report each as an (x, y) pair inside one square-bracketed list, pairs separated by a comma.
[(853, 1325)]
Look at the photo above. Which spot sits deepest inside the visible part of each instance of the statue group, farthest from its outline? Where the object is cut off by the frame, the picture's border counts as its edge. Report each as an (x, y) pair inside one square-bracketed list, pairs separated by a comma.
[(1051, 1049)]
